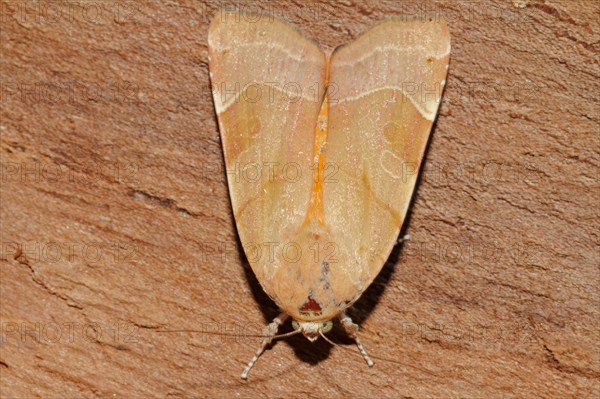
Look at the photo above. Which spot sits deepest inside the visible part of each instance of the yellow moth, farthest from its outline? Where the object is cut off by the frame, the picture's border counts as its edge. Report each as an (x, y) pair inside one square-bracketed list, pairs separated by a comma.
[(322, 153)]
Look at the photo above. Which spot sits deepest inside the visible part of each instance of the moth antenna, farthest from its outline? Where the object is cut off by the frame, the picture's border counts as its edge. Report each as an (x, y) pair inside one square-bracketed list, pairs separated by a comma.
[(234, 335), (363, 353), (213, 333), (289, 334)]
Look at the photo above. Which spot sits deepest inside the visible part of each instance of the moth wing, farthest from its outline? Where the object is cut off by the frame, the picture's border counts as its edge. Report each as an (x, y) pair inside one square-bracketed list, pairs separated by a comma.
[(266, 80), (385, 89)]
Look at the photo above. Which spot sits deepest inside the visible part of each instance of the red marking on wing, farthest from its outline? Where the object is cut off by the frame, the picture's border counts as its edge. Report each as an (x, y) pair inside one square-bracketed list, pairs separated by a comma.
[(309, 305)]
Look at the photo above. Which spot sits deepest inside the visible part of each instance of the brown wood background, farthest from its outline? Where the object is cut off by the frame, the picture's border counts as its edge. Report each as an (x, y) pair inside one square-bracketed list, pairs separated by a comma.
[(116, 220)]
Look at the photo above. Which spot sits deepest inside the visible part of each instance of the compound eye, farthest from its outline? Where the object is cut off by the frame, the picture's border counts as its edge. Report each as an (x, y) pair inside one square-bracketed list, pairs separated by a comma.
[(295, 325), (327, 326)]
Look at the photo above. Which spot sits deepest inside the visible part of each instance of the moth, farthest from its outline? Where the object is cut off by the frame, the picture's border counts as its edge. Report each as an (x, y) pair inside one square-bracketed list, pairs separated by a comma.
[(322, 151)]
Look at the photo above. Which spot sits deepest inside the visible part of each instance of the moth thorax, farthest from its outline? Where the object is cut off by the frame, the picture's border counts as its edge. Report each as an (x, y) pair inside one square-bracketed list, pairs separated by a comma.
[(312, 329)]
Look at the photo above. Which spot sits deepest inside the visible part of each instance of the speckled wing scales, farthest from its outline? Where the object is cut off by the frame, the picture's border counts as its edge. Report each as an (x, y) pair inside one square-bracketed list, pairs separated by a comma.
[(384, 96), (268, 83), (365, 142)]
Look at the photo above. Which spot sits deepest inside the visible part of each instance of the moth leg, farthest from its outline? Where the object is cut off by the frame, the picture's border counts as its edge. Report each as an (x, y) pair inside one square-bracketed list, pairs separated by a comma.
[(406, 237), (352, 330), (269, 332)]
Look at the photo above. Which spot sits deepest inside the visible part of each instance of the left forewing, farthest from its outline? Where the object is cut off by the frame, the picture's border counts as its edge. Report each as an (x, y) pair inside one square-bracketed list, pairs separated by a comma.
[(267, 85)]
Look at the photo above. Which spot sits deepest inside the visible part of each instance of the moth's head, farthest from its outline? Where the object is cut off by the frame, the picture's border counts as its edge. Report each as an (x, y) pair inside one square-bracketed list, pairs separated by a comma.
[(312, 329)]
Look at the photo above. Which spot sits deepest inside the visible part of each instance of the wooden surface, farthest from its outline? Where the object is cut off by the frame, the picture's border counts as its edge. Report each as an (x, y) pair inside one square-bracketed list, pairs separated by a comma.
[(116, 222)]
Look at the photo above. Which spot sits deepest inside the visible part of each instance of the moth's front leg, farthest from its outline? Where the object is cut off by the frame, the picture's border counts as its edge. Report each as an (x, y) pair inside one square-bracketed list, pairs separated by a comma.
[(352, 330), (269, 332)]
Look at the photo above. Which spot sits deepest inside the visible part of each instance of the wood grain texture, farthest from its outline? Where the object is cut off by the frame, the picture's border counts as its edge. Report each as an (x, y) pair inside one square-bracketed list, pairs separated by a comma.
[(116, 220)]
